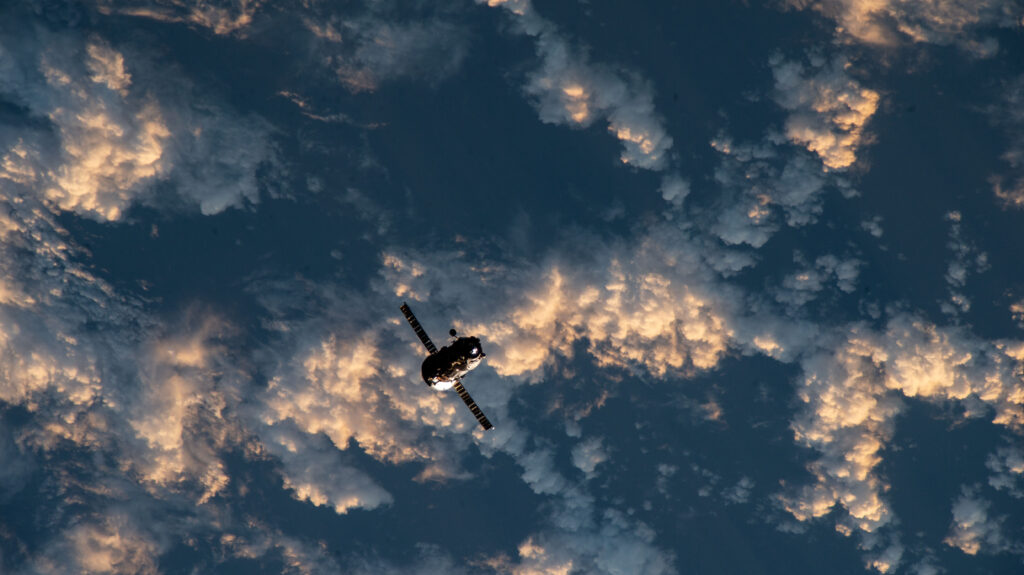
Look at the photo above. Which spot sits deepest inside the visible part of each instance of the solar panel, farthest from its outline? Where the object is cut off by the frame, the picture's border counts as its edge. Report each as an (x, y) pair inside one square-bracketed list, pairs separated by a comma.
[(472, 406), (416, 327)]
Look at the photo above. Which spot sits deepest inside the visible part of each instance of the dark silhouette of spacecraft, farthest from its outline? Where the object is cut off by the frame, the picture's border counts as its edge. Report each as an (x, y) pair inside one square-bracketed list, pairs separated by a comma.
[(444, 368)]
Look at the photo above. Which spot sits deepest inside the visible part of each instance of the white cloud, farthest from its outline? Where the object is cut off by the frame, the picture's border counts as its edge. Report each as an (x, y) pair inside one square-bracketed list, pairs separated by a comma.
[(368, 51), (568, 89), (219, 16), (334, 387), (972, 530), (856, 387), (118, 128), (803, 286), (942, 22), (651, 305), (873, 226), (113, 544), (828, 109), (1009, 187), (588, 454), (758, 183), (314, 472), (739, 493), (966, 259), (1007, 467)]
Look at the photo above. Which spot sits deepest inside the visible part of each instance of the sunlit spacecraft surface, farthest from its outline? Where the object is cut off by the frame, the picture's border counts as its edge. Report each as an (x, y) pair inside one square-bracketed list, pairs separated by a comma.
[(444, 368)]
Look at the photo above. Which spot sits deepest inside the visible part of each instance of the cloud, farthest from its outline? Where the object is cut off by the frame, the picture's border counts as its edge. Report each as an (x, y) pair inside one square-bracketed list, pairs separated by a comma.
[(1007, 467), (1009, 187), (113, 544), (799, 288), (314, 472), (588, 454), (966, 259), (567, 89), (115, 129), (758, 182), (383, 45), (942, 22), (972, 530), (218, 16), (334, 387), (855, 388), (828, 109), (739, 493), (873, 226), (652, 304)]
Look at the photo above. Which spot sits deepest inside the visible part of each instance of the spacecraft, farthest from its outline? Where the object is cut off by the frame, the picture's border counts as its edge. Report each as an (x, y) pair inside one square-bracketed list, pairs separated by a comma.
[(444, 368)]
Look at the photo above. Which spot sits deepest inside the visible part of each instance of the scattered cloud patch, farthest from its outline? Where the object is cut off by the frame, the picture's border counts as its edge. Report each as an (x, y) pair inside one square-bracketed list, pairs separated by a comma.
[(799, 288), (739, 493), (828, 108), (854, 391), (972, 529), (873, 226), (588, 454), (369, 51), (1009, 187), (567, 89), (115, 129), (221, 17), (966, 259), (1007, 467), (890, 22)]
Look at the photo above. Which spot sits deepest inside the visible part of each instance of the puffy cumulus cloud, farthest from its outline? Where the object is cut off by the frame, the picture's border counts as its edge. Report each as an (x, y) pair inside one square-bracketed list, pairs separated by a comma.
[(116, 544), (1009, 187), (615, 545), (651, 305), (739, 493), (828, 109), (943, 22), (762, 180), (568, 89), (803, 286), (848, 418), (966, 259), (853, 391), (61, 327), (758, 183), (341, 387), (109, 148), (219, 16), (182, 415), (255, 540), (674, 190), (1007, 467), (314, 472), (873, 226), (972, 529), (114, 128), (588, 454)]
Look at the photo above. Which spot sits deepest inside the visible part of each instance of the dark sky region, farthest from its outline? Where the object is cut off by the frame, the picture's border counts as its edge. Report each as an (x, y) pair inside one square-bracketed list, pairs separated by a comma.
[(747, 275)]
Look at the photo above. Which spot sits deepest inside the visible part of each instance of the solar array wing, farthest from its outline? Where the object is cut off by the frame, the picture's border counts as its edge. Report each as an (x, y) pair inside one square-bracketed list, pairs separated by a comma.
[(416, 327), (472, 406)]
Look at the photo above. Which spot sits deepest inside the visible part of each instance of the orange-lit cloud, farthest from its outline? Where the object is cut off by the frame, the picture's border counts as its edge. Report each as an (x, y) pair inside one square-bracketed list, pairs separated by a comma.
[(568, 89), (828, 109)]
